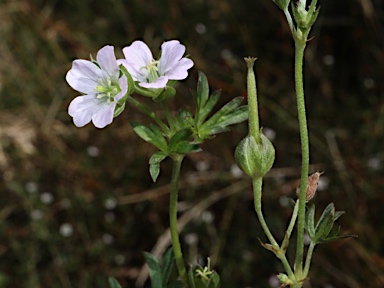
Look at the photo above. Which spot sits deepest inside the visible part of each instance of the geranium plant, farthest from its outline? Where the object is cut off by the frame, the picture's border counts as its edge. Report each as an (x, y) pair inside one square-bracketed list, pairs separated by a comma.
[(107, 84)]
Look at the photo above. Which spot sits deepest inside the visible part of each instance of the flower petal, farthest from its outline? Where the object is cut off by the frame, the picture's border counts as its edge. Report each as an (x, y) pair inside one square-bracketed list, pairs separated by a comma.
[(180, 70), (160, 82), (83, 76), (123, 83), (104, 115), (107, 61), (137, 56), (171, 53), (81, 109)]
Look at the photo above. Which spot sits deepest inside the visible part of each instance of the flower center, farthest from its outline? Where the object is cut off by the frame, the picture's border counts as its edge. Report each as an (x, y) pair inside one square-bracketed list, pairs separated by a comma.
[(153, 71), (107, 89)]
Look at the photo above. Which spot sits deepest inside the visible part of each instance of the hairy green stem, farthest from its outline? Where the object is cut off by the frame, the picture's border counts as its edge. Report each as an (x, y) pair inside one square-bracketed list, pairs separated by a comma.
[(291, 225), (257, 187), (177, 160), (145, 109), (309, 258), (257, 191), (299, 56)]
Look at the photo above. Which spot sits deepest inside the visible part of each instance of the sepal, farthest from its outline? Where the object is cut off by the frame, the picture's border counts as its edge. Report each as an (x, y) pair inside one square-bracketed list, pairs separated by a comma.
[(255, 158)]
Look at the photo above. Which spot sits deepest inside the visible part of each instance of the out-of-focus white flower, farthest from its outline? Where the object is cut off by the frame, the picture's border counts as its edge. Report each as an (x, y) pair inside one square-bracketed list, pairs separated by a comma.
[(151, 73), (101, 86), (66, 229), (46, 197)]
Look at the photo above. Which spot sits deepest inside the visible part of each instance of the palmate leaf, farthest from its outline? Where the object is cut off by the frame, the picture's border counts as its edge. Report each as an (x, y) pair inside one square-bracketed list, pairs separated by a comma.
[(203, 112), (228, 115), (225, 110)]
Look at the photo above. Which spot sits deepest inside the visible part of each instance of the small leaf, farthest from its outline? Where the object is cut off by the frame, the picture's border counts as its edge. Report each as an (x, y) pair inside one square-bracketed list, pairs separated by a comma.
[(338, 214), (327, 211), (184, 120), (204, 111), (154, 171), (202, 90), (183, 135), (218, 129), (227, 108), (154, 164), (152, 136), (310, 223), (154, 270), (237, 116), (185, 148), (159, 138), (157, 157), (113, 283), (167, 265)]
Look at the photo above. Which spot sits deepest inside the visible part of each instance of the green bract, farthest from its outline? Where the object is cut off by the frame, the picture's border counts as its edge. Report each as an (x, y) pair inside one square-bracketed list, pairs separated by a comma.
[(305, 19), (324, 231), (255, 159)]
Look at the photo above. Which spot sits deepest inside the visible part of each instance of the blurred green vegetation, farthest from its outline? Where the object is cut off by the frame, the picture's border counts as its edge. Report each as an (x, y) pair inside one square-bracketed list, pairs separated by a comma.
[(78, 205)]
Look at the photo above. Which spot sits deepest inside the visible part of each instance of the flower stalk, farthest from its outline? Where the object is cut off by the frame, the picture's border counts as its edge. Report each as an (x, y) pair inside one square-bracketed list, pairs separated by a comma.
[(145, 109), (177, 160), (299, 56)]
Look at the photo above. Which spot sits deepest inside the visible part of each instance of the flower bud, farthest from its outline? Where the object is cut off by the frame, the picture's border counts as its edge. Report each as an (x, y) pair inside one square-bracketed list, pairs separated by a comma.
[(284, 279), (255, 159)]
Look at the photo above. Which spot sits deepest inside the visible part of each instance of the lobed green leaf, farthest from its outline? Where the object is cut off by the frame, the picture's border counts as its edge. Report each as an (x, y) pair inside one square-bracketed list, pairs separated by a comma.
[(227, 108), (153, 135), (203, 112)]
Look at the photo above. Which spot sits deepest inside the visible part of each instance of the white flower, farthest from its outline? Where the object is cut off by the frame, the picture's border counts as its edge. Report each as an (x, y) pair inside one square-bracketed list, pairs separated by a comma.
[(101, 86), (151, 73)]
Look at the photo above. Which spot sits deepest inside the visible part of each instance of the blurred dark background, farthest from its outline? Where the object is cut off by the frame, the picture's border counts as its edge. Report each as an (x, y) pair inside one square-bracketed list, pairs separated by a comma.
[(77, 204)]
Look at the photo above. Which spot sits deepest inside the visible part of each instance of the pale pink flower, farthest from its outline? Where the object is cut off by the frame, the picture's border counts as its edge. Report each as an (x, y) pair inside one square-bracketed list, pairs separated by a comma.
[(151, 73), (101, 86)]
